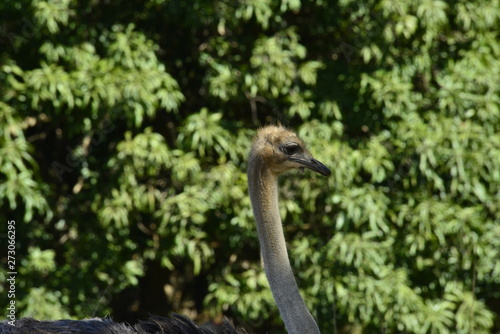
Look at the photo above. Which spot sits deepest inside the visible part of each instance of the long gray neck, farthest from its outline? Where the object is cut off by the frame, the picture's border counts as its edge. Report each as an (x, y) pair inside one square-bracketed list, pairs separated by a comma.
[(263, 187)]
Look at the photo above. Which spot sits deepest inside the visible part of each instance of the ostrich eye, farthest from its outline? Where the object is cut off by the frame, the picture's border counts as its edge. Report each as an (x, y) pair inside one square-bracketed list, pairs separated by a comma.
[(290, 149)]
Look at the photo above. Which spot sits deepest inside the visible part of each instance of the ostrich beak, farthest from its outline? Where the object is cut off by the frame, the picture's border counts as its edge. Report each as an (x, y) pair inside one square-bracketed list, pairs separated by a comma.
[(309, 162)]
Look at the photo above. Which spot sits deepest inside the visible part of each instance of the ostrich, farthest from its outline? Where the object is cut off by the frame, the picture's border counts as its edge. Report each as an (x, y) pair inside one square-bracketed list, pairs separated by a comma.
[(275, 150)]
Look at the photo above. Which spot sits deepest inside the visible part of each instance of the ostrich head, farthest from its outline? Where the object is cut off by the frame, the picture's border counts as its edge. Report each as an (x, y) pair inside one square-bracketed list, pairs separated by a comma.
[(282, 150)]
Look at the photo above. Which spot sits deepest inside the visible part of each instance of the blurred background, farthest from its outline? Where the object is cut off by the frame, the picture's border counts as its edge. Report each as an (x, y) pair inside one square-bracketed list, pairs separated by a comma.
[(125, 128)]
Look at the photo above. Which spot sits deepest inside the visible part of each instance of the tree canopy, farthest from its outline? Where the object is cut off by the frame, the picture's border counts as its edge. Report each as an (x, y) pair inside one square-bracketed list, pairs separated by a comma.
[(125, 129)]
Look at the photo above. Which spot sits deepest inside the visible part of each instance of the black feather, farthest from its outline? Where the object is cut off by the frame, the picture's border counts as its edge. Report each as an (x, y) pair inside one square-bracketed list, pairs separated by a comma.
[(176, 324)]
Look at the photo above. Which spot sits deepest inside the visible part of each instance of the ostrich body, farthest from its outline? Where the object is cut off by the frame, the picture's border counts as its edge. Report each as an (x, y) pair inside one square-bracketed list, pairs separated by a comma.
[(275, 150)]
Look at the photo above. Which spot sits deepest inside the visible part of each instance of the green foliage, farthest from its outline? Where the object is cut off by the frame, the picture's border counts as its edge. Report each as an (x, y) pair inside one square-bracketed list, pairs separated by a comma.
[(124, 134), (18, 168)]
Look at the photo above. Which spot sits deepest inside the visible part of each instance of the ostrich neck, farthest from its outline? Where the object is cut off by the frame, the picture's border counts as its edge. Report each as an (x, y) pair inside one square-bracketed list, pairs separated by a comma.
[(263, 188)]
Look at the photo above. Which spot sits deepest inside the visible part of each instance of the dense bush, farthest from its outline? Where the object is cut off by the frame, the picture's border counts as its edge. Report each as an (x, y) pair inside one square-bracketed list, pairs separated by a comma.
[(124, 132)]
